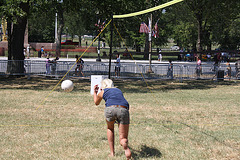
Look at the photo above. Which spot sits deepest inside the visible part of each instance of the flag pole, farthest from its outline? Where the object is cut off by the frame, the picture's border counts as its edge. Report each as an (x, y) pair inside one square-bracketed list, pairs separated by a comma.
[(110, 54), (150, 44)]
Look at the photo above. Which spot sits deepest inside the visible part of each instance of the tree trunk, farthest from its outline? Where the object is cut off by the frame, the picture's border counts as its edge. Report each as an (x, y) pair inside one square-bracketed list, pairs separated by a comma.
[(209, 42), (199, 40), (16, 42), (9, 29), (146, 49), (59, 31), (79, 40)]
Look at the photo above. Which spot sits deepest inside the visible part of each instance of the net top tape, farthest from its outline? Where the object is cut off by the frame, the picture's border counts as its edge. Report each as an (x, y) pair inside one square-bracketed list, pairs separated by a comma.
[(147, 10)]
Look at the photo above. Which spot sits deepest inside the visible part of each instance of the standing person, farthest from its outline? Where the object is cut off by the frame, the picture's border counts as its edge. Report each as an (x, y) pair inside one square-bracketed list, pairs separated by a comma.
[(160, 55), (54, 65), (102, 45), (48, 64), (208, 57), (117, 109), (170, 70), (28, 51), (24, 52), (117, 67), (126, 53), (198, 67), (79, 67), (229, 70), (215, 68), (237, 68), (179, 57), (42, 51)]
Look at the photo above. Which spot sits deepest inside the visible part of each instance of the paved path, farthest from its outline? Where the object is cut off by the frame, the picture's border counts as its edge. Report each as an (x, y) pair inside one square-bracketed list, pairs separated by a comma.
[(113, 60)]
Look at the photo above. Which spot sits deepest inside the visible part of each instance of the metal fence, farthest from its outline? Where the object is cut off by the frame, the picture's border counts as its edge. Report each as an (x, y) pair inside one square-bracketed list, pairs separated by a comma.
[(128, 70)]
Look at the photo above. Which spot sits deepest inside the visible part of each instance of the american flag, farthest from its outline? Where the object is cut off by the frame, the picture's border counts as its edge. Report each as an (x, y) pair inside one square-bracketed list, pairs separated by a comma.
[(99, 25), (143, 28), (155, 31)]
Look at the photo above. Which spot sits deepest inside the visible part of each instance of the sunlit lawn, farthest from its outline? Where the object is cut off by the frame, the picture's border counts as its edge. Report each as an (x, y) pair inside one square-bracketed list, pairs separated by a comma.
[(169, 120)]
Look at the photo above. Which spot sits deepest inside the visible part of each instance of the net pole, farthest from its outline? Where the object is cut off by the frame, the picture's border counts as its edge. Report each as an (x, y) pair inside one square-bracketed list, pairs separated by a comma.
[(110, 54), (150, 44)]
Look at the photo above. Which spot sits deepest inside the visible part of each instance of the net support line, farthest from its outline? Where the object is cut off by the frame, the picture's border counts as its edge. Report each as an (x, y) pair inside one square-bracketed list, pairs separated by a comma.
[(73, 66)]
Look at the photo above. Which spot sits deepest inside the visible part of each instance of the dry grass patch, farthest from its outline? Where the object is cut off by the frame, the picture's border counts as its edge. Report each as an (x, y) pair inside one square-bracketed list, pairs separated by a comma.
[(189, 120)]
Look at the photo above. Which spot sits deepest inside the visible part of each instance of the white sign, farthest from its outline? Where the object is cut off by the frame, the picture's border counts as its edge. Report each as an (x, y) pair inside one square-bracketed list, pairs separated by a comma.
[(96, 80)]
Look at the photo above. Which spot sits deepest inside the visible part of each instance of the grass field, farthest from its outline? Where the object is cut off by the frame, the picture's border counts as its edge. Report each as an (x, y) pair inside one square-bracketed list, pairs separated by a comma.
[(189, 120)]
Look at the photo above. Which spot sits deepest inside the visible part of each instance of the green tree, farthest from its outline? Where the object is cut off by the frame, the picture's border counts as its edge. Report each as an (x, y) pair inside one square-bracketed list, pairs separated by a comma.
[(66, 8), (185, 34), (41, 25), (209, 19), (77, 22), (16, 13), (225, 24)]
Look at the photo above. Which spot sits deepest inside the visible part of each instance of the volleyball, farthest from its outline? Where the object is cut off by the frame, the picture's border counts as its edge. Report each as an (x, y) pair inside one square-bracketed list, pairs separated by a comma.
[(67, 85)]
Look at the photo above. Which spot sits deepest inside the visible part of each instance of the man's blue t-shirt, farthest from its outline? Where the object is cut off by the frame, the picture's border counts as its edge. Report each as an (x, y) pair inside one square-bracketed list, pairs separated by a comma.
[(118, 62), (114, 96)]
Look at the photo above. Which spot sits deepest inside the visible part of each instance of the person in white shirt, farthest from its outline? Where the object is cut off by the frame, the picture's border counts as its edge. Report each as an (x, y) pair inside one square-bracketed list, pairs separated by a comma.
[(118, 65), (199, 68), (160, 55)]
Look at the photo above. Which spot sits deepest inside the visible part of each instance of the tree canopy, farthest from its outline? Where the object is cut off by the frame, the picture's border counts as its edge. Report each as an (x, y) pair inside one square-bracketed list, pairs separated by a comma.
[(193, 24)]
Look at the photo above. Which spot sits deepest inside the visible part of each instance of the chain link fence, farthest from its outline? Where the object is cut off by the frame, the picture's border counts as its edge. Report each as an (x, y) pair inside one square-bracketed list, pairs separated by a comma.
[(128, 70)]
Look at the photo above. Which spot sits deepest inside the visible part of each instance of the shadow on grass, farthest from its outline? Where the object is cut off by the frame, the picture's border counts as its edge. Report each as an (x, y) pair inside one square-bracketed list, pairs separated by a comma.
[(139, 86), (202, 132), (146, 152), (40, 83), (128, 86)]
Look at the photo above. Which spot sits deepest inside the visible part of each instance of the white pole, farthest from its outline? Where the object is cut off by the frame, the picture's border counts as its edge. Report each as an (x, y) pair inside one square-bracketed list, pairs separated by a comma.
[(135, 67), (56, 28), (150, 28), (150, 43)]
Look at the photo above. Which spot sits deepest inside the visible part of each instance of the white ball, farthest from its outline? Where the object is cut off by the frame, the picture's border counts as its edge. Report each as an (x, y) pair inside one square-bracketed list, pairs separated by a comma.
[(67, 85)]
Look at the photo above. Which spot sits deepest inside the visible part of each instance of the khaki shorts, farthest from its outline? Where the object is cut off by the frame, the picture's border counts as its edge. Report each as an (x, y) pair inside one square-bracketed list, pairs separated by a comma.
[(119, 114)]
